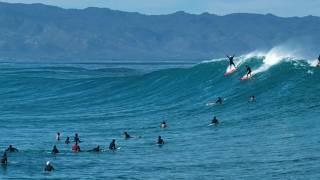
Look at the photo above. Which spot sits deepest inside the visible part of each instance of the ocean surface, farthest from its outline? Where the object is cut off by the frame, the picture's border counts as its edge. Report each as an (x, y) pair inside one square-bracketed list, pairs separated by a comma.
[(276, 137)]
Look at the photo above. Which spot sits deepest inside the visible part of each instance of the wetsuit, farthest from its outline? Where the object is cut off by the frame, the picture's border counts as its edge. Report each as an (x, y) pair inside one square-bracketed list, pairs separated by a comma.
[(48, 168), (219, 101), (112, 145), (11, 149), (67, 141), (77, 139), (318, 65), (160, 140), (126, 135), (231, 61), (4, 159), (58, 136), (248, 71), (55, 150), (215, 121)]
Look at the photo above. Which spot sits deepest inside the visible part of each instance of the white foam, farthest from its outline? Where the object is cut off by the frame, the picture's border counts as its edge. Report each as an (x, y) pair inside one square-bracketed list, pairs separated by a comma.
[(273, 57)]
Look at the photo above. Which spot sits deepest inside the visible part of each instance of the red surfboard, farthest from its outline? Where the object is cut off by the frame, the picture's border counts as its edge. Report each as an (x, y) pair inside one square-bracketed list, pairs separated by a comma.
[(230, 70), (245, 77)]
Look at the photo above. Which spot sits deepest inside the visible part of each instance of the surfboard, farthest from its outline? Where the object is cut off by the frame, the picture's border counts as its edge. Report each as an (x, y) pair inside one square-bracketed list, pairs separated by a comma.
[(210, 104), (230, 70), (214, 103), (245, 77)]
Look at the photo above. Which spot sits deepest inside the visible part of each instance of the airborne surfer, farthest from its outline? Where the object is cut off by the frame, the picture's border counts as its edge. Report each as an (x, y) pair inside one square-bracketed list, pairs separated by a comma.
[(231, 63)]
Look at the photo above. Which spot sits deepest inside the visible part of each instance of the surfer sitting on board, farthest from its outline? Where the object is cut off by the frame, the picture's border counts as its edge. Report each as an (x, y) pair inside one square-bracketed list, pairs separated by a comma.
[(112, 145), (55, 150), (215, 121), (11, 149), (231, 61), (160, 141), (248, 71)]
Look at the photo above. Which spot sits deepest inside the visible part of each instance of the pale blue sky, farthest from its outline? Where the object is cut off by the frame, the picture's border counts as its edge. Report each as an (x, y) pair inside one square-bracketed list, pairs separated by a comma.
[(221, 7)]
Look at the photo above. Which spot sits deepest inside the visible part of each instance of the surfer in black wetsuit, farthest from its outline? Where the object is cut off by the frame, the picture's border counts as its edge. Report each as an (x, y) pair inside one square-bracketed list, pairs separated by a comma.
[(55, 150), (318, 65), (48, 167), (76, 138), (126, 135), (231, 61), (58, 136), (67, 141), (219, 101), (215, 121), (112, 145), (160, 141), (11, 149), (249, 71), (4, 159)]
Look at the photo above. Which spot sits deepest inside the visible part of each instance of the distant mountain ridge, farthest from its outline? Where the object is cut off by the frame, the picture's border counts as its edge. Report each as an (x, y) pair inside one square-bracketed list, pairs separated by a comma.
[(43, 33)]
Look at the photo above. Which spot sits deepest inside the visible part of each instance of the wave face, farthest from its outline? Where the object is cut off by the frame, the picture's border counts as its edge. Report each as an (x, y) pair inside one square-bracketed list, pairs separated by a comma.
[(275, 137)]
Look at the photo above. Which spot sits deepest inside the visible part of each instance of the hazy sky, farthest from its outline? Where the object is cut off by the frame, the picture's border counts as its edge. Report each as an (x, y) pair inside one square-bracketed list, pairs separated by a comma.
[(221, 7)]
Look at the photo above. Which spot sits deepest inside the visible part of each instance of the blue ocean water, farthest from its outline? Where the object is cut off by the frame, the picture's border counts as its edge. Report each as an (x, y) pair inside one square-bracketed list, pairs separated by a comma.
[(277, 137)]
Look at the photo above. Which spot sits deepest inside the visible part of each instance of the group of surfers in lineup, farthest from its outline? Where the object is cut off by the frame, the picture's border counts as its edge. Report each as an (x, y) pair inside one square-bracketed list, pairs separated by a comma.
[(75, 147), (112, 146)]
